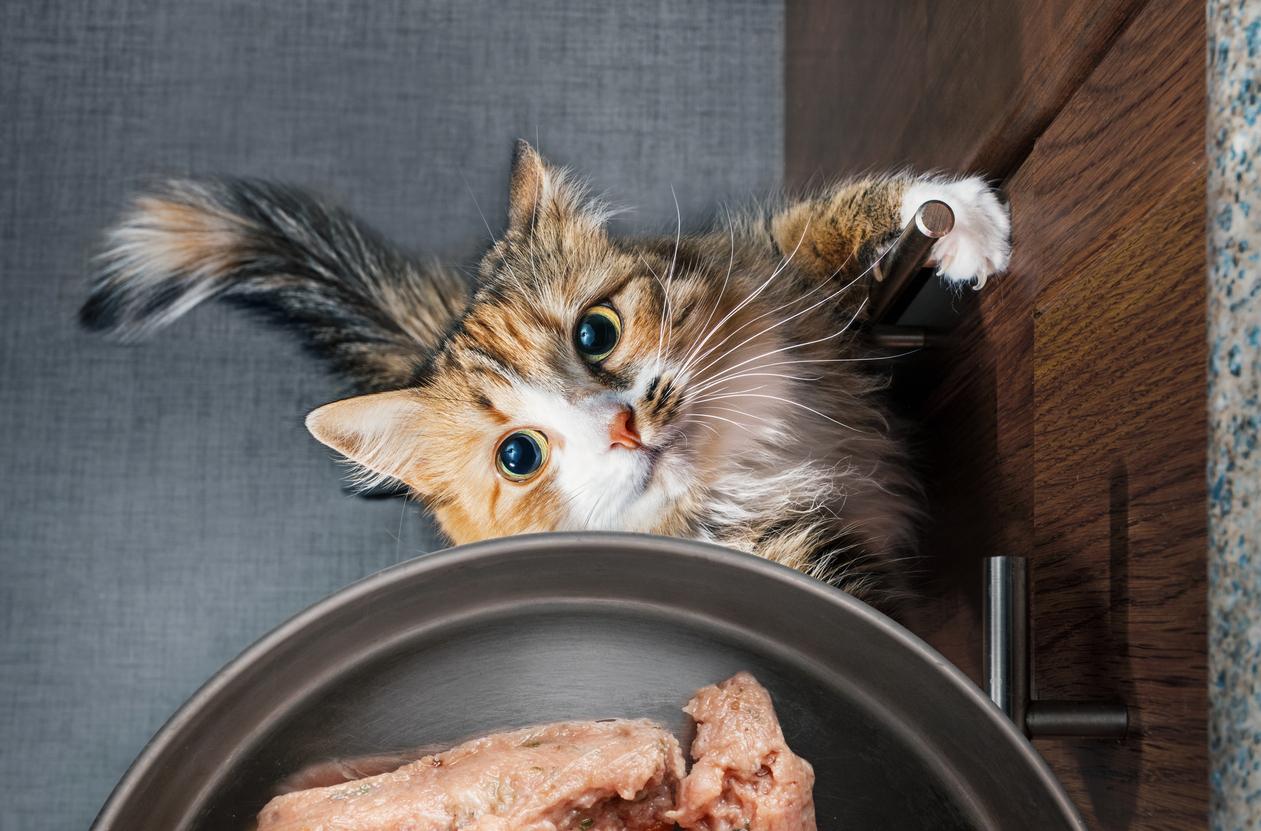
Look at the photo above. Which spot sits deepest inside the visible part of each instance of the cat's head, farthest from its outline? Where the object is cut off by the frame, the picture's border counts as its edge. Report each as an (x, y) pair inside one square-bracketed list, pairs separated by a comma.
[(567, 395)]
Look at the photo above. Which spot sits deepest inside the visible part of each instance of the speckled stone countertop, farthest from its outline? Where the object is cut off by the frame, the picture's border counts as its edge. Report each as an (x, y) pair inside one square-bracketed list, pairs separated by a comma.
[(1234, 196)]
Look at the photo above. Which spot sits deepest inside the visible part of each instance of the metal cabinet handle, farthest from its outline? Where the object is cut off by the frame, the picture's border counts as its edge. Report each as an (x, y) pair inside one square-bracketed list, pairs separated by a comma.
[(899, 275), (1006, 661)]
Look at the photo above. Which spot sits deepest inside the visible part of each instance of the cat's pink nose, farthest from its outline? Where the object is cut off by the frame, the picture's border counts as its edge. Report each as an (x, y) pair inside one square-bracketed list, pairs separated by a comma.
[(622, 430)]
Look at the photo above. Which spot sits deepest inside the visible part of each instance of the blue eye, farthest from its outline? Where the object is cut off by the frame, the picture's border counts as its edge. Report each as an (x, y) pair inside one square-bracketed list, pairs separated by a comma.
[(521, 455), (597, 334)]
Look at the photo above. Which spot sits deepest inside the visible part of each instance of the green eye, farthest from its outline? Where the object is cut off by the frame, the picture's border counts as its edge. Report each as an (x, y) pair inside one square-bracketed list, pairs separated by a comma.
[(521, 455), (597, 334)]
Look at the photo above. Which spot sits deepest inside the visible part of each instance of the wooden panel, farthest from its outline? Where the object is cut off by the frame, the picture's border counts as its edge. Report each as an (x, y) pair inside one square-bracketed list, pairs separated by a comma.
[(1119, 513), (1120, 430), (1068, 422), (1089, 364), (962, 84)]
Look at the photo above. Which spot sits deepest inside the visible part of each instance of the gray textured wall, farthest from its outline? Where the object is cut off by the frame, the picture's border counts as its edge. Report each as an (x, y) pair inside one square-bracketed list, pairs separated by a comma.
[(161, 504)]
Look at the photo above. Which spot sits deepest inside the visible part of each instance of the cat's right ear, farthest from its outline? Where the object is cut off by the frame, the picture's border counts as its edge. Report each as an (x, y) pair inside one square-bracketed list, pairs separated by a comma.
[(381, 433), (541, 196), (525, 186)]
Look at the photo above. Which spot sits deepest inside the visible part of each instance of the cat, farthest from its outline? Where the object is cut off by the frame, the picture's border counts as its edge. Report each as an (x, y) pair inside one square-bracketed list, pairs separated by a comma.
[(711, 385)]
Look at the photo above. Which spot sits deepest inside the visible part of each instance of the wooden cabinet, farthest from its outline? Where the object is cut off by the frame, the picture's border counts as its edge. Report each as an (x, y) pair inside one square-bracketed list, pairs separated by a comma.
[(1067, 422)]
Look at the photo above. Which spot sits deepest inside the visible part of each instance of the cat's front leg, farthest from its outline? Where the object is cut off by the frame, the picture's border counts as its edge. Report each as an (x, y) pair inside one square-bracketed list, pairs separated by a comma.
[(842, 231)]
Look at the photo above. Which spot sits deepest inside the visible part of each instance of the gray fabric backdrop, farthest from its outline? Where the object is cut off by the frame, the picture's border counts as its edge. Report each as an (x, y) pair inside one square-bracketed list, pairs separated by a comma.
[(161, 505)]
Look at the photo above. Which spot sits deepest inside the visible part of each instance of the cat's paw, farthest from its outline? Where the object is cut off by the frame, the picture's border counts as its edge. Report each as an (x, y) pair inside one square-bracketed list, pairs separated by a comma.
[(980, 244)]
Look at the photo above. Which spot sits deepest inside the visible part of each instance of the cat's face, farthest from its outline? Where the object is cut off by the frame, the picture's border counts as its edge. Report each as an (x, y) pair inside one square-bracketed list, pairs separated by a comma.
[(576, 393)]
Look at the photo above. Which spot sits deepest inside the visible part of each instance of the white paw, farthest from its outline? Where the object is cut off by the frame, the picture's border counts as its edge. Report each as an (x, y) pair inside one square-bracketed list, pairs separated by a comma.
[(980, 244)]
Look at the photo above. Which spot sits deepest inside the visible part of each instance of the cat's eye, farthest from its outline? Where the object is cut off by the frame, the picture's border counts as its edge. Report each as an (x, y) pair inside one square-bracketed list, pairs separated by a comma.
[(599, 330), (521, 455)]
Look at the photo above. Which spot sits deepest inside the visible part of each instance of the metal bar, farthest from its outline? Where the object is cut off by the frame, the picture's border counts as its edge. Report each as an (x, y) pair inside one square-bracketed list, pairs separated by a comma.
[(1077, 718), (898, 337), (1006, 645), (907, 338), (899, 274), (1007, 656)]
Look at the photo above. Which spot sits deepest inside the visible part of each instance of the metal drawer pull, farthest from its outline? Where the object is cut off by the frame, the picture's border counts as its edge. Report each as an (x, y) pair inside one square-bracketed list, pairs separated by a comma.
[(1007, 668)]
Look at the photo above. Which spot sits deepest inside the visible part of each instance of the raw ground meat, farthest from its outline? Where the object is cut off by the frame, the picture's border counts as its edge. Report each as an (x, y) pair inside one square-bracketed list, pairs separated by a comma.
[(615, 775), (744, 777)]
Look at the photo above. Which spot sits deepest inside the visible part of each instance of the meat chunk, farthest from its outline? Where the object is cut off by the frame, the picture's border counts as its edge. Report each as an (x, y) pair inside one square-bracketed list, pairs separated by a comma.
[(616, 775), (744, 777)]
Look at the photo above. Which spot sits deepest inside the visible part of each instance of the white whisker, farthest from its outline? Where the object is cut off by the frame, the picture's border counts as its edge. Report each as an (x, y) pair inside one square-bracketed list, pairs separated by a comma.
[(841, 360), (674, 259), (731, 261), (791, 317), (755, 293), (792, 346), (752, 374), (469, 188), (708, 427), (763, 316), (783, 400), (661, 325), (729, 421), (756, 370), (734, 411)]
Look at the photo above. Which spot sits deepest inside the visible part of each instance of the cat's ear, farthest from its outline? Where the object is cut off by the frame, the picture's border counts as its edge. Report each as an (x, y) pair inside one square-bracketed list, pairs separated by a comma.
[(540, 195), (526, 186), (380, 432)]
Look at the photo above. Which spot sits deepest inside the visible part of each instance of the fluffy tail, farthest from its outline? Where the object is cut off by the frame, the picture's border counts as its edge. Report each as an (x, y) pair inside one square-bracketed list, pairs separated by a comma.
[(353, 298)]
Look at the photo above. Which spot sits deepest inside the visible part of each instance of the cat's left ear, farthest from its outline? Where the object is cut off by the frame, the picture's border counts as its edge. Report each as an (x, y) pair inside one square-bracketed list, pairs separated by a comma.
[(540, 195), (380, 432)]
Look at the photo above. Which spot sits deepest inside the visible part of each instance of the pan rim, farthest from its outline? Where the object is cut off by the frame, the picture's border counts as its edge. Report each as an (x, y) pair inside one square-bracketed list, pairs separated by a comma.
[(168, 735)]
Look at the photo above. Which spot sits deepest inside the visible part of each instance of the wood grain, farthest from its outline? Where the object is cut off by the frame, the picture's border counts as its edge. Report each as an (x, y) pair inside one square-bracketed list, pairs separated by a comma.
[(1119, 520), (1067, 423), (961, 84)]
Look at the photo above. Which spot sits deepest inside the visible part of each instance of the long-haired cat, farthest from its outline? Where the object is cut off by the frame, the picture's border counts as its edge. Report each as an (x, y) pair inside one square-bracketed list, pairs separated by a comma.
[(711, 385)]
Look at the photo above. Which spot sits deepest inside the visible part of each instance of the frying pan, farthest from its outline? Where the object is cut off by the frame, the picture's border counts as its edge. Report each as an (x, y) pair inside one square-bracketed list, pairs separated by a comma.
[(543, 628)]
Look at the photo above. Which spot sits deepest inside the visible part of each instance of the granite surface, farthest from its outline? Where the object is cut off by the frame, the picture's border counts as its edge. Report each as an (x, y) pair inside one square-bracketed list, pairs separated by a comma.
[(1234, 194)]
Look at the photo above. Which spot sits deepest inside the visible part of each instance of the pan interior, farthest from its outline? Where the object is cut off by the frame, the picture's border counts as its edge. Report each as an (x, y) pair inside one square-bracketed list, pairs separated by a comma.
[(506, 669)]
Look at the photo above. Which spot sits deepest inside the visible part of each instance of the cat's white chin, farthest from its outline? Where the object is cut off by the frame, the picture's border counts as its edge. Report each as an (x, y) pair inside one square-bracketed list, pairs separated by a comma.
[(665, 486), (644, 483), (980, 244)]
